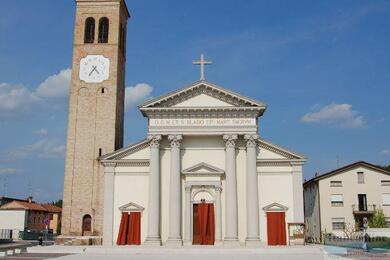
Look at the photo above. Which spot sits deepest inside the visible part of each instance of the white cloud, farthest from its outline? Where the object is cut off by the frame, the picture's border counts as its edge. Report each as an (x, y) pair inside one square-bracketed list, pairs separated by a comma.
[(138, 93), (55, 86), (18, 99), (15, 100), (46, 148), (337, 114), (6, 171), (41, 132), (385, 152)]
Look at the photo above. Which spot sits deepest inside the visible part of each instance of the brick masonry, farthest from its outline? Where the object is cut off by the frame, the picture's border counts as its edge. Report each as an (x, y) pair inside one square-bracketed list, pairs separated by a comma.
[(95, 119)]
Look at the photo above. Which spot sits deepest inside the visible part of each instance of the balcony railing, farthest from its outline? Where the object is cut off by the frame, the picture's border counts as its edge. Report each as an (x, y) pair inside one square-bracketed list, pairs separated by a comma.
[(361, 209)]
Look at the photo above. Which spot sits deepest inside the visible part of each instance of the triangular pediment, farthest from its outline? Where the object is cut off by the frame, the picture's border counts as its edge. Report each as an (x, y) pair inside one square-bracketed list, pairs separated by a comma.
[(131, 206), (203, 169), (203, 100), (275, 207), (202, 94)]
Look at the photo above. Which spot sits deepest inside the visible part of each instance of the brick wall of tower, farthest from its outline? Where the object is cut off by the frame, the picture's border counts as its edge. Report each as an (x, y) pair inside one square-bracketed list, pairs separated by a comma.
[(95, 119)]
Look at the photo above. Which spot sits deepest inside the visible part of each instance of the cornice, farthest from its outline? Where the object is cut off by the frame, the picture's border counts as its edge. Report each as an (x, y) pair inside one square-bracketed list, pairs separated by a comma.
[(202, 87), (123, 162), (121, 153), (204, 112), (279, 150), (279, 162)]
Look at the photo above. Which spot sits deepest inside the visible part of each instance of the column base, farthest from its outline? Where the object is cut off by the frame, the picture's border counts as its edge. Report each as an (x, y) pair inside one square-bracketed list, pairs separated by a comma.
[(174, 242), (187, 243), (231, 241), (218, 243), (152, 241), (252, 241)]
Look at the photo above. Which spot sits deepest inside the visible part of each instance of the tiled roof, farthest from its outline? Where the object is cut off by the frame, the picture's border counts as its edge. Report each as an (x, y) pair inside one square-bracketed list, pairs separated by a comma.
[(31, 206), (346, 168), (51, 208)]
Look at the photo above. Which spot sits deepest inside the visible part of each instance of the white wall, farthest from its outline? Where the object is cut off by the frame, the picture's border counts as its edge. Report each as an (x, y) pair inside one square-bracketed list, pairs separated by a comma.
[(275, 183), (13, 219)]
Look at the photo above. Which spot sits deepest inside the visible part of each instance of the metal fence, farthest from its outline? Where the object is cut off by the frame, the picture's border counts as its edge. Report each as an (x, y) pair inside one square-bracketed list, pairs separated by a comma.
[(5, 234), (357, 242)]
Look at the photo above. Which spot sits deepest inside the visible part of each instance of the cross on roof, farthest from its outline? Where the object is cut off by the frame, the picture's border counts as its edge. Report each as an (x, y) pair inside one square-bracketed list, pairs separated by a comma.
[(202, 62)]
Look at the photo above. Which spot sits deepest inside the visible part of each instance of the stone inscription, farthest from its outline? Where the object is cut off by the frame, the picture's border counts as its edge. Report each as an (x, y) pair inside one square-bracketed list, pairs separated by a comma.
[(203, 122)]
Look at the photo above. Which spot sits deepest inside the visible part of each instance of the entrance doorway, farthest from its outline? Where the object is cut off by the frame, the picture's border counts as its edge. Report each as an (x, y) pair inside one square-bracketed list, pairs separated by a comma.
[(130, 229), (87, 225), (276, 228), (203, 224)]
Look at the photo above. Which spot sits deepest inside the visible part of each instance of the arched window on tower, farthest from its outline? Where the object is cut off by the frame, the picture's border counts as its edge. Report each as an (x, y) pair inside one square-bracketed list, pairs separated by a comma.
[(89, 31), (103, 30)]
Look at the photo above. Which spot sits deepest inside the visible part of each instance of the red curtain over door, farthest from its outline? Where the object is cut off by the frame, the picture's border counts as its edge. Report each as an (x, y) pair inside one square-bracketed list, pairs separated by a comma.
[(204, 226), (134, 232), (276, 228), (130, 229)]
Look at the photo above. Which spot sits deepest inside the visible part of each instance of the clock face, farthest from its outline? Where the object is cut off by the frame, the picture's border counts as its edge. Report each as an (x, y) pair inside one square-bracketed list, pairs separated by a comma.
[(94, 68)]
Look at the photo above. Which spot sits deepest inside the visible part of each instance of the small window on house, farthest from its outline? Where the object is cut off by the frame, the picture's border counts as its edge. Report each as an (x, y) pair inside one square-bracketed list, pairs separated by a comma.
[(102, 90), (337, 200), (338, 223), (385, 182), (336, 183), (100, 152), (89, 30), (103, 30), (360, 177), (386, 199)]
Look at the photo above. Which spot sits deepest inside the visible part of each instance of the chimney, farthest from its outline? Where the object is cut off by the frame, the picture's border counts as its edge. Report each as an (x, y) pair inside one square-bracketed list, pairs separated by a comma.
[(29, 199)]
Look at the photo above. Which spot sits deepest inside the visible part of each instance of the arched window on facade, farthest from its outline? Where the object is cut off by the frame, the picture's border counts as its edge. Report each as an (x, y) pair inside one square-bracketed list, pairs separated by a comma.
[(103, 30), (89, 31), (87, 224)]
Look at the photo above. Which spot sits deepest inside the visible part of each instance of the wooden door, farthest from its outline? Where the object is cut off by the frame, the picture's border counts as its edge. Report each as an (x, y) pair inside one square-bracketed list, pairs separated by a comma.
[(276, 228)]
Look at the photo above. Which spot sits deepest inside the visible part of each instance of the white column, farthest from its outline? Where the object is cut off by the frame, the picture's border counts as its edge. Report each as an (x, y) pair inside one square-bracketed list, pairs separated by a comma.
[(218, 216), (297, 191), (231, 214), (153, 235), (252, 194), (108, 210), (174, 237), (187, 239)]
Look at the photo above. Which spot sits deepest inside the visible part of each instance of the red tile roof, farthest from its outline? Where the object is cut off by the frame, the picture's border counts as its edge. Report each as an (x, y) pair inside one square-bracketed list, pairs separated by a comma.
[(31, 206), (51, 208)]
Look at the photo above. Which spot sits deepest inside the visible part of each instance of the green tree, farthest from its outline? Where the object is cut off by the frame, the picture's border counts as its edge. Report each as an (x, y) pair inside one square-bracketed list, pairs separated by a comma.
[(57, 203), (378, 220)]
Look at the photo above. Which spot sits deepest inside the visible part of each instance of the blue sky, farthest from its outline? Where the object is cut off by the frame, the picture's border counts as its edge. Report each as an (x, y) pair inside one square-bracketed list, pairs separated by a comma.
[(322, 68)]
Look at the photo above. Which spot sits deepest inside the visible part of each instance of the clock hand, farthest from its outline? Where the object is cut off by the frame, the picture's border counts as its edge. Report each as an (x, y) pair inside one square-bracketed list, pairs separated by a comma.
[(94, 68)]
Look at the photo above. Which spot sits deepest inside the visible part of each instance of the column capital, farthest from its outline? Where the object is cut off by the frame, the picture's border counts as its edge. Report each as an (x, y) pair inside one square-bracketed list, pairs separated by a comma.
[(154, 140), (187, 188), (218, 189), (251, 140), (175, 140), (230, 140)]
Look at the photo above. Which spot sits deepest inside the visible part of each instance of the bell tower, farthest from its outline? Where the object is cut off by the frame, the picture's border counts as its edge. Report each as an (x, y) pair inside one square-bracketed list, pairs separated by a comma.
[(96, 110)]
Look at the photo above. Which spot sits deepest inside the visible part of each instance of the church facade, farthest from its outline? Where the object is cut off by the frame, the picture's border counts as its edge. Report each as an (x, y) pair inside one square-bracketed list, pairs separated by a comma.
[(202, 175)]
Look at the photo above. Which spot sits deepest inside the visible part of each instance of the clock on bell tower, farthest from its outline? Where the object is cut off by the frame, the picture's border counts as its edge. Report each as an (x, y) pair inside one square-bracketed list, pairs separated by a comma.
[(96, 110)]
